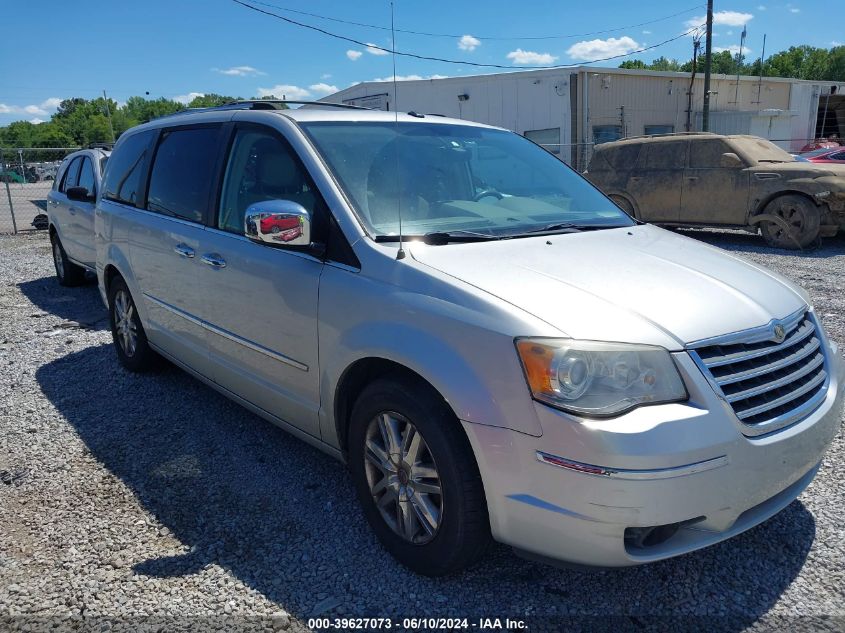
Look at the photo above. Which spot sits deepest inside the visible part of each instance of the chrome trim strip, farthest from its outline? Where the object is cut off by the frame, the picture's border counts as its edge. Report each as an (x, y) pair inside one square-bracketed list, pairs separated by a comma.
[(767, 369), (789, 397), (780, 382), (788, 418), (228, 335), (622, 473), (754, 335), (743, 356)]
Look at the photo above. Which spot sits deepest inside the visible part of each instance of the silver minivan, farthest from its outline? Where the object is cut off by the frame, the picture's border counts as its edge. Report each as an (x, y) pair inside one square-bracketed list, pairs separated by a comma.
[(494, 348)]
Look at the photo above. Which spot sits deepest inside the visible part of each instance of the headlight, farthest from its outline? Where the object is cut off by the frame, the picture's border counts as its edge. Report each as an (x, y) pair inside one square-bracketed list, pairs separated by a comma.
[(598, 379)]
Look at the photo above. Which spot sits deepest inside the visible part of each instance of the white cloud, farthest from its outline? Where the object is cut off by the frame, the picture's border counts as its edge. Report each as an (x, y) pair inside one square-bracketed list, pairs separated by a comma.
[(468, 43), (34, 109), (374, 49), (794, 10), (239, 71), (353, 55), (286, 91), (326, 76), (42, 109), (36, 121), (51, 104), (186, 99), (729, 33), (761, 7), (722, 18), (646, 32), (410, 77), (520, 56), (595, 49), (323, 88), (733, 49)]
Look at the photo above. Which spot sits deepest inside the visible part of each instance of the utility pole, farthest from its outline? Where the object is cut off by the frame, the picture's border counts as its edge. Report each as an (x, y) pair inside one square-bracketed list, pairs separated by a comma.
[(708, 53), (108, 115), (739, 66), (696, 44)]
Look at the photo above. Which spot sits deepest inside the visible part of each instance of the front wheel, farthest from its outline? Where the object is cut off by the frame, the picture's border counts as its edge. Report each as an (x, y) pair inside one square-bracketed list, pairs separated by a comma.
[(130, 339), (68, 273), (417, 478), (791, 222)]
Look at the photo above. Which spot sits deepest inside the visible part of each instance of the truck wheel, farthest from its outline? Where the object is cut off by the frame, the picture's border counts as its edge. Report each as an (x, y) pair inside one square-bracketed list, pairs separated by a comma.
[(68, 273), (794, 223), (130, 340), (417, 478)]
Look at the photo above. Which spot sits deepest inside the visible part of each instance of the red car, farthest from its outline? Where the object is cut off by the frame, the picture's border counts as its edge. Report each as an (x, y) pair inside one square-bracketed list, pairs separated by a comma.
[(284, 229), (820, 143), (835, 155)]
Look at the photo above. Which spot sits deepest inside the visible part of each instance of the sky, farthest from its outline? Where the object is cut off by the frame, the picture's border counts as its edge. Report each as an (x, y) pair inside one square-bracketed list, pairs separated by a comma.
[(56, 49)]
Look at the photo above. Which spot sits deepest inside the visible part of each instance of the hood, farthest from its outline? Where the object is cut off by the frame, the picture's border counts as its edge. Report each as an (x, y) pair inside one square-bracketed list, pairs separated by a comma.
[(800, 169), (639, 284)]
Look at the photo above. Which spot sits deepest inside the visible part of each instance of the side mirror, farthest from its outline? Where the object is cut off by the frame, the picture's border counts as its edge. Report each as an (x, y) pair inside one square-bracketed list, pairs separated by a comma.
[(278, 222), (730, 160), (80, 194)]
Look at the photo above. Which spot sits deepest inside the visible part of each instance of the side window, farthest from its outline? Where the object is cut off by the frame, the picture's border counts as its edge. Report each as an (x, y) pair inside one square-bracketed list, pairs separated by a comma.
[(182, 172), (663, 155), (126, 168), (86, 176), (707, 154), (262, 167), (549, 138), (71, 176), (658, 129)]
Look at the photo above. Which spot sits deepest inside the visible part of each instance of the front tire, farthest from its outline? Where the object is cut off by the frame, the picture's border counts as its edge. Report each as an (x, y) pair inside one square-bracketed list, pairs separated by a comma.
[(417, 478), (68, 273), (130, 339), (795, 222)]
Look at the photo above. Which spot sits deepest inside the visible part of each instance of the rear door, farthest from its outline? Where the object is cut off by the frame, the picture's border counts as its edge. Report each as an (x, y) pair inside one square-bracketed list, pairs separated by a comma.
[(656, 182), (165, 240), (713, 194), (261, 301)]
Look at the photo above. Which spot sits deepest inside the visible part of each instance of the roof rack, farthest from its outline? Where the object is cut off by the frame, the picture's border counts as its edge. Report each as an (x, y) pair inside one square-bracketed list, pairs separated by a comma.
[(263, 104), (105, 146)]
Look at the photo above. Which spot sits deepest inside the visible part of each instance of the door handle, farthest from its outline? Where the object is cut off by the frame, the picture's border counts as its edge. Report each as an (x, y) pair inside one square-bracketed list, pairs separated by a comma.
[(691, 177), (183, 250), (214, 260)]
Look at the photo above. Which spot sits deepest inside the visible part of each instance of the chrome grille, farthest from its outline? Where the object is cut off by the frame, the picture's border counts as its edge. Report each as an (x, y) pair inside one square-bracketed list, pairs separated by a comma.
[(769, 384)]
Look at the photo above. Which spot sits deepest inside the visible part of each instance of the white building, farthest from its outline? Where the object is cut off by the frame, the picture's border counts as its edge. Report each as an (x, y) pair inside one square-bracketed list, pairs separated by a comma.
[(569, 110)]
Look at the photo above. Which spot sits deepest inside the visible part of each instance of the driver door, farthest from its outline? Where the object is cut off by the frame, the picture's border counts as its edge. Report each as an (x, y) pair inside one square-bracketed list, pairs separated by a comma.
[(714, 194)]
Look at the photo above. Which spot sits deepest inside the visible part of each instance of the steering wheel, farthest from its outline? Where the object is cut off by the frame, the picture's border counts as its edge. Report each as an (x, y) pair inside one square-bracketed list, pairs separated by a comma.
[(487, 193)]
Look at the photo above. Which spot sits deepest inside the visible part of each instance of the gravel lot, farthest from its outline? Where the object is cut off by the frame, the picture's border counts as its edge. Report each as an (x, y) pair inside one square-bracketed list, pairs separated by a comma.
[(152, 500)]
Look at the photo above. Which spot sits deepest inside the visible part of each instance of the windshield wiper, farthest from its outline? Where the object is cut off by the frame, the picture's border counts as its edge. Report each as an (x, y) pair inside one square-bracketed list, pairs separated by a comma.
[(438, 238), (566, 227)]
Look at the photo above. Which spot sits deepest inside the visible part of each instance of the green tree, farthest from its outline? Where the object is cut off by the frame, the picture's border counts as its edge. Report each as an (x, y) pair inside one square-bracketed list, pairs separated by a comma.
[(211, 100)]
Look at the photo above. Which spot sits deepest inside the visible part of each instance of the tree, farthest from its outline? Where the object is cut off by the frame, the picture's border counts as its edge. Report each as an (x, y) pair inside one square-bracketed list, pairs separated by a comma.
[(211, 100)]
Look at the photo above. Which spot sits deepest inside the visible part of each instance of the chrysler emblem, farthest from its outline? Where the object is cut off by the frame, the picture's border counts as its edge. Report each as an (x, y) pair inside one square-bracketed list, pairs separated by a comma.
[(779, 333)]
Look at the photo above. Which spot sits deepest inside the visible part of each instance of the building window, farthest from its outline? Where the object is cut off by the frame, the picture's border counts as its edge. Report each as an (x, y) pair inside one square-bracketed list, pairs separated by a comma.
[(548, 138), (659, 129), (606, 133)]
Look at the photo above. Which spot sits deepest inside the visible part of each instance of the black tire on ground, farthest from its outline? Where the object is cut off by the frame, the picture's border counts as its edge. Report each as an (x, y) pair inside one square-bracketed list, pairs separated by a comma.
[(624, 204), (795, 225), (68, 273), (463, 531), (130, 339)]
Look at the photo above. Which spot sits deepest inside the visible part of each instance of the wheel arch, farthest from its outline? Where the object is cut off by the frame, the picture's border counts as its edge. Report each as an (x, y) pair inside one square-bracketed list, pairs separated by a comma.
[(759, 208)]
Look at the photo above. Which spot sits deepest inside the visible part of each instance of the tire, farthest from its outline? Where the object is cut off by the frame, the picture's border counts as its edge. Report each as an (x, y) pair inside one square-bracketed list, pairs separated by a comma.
[(461, 533), (68, 273), (624, 204), (130, 340), (796, 223)]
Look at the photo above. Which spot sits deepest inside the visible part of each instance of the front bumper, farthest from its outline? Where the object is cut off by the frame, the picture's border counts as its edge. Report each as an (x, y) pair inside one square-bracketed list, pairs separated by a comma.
[(685, 464)]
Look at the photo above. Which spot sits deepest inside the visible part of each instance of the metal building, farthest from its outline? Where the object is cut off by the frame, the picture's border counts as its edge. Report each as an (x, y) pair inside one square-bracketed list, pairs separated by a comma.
[(570, 110)]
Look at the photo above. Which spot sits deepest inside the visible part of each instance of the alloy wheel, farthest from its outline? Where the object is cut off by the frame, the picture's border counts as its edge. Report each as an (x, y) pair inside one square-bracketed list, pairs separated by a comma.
[(403, 478), (124, 323), (57, 259)]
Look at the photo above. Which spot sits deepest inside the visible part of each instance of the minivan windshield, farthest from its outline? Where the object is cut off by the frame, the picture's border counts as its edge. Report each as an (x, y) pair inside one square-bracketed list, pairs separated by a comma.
[(449, 179)]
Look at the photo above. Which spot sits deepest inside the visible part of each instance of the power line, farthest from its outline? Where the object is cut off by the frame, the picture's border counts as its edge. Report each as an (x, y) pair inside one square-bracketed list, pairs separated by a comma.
[(456, 61), (480, 37)]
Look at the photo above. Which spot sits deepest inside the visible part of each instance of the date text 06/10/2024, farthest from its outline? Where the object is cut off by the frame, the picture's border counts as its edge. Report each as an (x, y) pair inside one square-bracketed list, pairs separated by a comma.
[(412, 624)]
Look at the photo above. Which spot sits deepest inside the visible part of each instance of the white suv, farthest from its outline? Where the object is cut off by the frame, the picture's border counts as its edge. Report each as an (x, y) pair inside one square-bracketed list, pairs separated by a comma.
[(492, 346), (70, 213)]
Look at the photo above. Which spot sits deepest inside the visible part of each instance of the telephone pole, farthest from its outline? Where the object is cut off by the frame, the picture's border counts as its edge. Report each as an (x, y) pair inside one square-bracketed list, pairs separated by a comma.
[(108, 116), (708, 53)]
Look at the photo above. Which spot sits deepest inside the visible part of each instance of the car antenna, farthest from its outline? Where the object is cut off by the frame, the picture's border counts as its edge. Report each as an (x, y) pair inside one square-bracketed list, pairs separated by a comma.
[(400, 254)]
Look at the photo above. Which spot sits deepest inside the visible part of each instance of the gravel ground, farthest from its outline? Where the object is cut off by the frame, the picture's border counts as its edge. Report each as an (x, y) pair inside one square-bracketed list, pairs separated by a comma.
[(154, 501)]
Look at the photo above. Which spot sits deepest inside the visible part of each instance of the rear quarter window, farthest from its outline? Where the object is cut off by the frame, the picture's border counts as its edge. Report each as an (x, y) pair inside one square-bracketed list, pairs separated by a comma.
[(127, 166)]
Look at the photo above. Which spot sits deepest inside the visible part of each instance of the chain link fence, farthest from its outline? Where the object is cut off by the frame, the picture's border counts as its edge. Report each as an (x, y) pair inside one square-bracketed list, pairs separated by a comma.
[(26, 177)]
